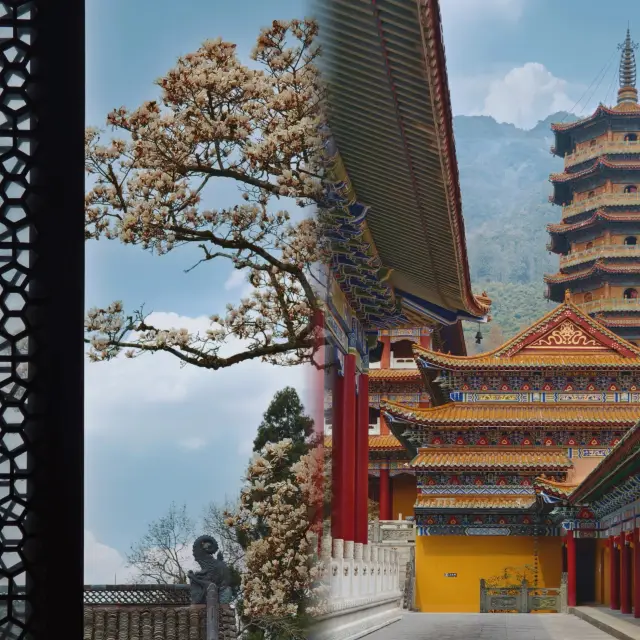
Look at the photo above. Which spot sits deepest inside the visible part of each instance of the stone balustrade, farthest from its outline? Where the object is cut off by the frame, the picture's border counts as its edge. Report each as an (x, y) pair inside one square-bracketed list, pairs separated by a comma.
[(356, 570), (364, 587)]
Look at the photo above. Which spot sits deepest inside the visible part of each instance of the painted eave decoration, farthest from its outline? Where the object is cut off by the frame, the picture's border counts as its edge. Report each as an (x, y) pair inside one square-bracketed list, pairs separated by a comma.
[(545, 487), (566, 337), (399, 245)]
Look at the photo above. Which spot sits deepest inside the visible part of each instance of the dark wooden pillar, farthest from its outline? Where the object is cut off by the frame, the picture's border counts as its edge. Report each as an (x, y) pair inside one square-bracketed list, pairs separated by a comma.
[(42, 296)]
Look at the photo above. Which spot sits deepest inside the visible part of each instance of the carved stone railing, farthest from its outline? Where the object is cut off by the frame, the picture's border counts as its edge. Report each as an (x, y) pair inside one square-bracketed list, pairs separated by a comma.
[(521, 599), (355, 570), (393, 532), (597, 150), (602, 251), (363, 586), (602, 200)]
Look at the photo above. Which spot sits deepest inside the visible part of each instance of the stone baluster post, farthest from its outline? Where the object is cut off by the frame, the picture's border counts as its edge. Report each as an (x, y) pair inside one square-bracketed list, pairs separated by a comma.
[(348, 581), (337, 563), (358, 567)]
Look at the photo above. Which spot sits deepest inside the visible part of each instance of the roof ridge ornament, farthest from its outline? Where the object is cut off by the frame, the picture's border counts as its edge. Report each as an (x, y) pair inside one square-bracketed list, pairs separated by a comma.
[(627, 93)]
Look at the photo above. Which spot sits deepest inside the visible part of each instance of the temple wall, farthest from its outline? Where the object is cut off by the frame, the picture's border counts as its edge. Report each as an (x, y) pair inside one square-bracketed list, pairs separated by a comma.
[(473, 558), (404, 496), (582, 467)]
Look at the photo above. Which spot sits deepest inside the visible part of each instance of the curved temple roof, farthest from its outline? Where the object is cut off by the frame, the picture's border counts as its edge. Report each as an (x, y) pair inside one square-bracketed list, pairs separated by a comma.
[(472, 415), (483, 458), (376, 443), (566, 337), (390, 115)]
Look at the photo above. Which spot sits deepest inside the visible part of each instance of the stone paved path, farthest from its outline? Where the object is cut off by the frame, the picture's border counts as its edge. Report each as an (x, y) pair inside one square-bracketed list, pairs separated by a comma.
[(489, 626)]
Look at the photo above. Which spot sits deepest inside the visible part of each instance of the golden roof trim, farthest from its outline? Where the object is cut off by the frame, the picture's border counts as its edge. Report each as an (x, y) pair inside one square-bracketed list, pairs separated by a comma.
[(463, 414)]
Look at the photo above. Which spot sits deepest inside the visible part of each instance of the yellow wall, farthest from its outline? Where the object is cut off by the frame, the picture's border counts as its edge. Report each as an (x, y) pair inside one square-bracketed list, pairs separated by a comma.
[(404, 495), (473, 558)]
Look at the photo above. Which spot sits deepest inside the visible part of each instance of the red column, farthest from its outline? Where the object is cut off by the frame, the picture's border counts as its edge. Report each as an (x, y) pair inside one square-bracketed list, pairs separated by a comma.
[(625, 576), (614, 569), (384, 427), (385, 495), (348, 443), (636, 573), (385, 358), (362, 462), (337, 453), (571, 569), (425, 342)]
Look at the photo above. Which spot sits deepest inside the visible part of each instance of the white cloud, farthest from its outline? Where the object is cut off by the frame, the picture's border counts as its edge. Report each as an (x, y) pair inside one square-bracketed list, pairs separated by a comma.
[(526, 95), (237, 278), (138, 399), (237, 281), (103, 564)]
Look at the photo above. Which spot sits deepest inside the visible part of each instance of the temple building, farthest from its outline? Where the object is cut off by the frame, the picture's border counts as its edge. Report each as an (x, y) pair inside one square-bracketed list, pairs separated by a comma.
[(598, 239), (398, 269), (546, 406), (509, 435)]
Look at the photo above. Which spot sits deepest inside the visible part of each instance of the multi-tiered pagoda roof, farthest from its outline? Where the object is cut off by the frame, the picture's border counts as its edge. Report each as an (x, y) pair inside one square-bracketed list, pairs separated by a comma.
[(599, 191), (528, 418)]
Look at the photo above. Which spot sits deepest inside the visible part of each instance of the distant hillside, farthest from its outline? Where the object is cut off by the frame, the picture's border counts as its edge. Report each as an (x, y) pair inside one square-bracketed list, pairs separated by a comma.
[(504, 177)]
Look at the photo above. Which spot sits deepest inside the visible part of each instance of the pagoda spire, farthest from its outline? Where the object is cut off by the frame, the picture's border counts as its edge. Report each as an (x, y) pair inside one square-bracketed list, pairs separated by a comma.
[(627, 93)]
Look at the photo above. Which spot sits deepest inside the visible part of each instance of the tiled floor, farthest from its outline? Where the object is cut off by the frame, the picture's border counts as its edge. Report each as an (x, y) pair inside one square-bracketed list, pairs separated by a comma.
[(489, 626)]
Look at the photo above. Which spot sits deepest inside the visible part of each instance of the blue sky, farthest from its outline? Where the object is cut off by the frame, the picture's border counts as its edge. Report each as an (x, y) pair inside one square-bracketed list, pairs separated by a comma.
[(157, 433)]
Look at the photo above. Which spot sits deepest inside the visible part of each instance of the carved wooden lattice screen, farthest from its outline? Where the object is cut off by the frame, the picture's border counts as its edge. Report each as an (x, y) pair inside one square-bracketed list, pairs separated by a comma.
[(41, 311)]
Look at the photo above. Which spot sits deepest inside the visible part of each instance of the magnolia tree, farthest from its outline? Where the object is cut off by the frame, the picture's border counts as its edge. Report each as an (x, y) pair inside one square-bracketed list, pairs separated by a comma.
[(282, 588), (218, 118)]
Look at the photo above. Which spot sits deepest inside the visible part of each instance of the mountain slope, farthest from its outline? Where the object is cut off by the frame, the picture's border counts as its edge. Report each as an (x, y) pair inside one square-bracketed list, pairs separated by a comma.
[(504, 178)]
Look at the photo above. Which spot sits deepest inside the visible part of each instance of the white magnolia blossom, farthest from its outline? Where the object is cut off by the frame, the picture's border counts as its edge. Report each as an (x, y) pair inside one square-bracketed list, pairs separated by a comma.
[(283, 571), (219, 119)]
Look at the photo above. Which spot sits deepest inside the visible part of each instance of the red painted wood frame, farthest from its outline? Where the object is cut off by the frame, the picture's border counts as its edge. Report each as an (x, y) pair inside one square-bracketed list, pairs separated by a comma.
[(362, 462)]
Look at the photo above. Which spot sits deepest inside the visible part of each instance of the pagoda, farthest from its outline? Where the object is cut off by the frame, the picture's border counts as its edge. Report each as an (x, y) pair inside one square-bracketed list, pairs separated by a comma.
[(512, 432), (598, 237)]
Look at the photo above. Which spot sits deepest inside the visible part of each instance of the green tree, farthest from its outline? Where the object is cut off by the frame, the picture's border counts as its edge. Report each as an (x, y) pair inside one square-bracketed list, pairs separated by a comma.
[(285, 418)]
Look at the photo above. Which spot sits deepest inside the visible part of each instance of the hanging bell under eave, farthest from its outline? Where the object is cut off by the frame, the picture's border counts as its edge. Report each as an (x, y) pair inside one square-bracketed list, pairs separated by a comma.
[(478, 337)]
